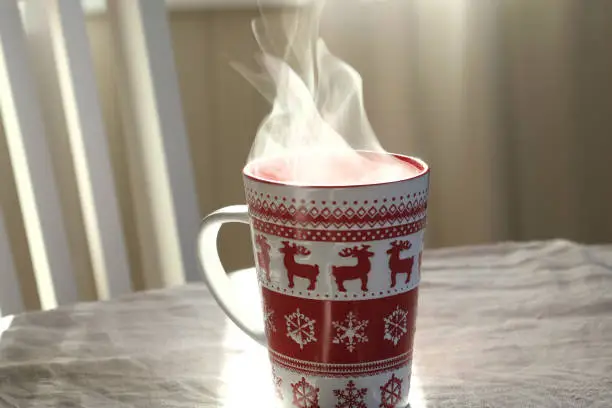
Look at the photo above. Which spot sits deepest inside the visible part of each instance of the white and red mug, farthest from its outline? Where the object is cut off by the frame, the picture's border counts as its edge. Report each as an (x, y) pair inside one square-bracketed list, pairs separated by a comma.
[(338, 269)]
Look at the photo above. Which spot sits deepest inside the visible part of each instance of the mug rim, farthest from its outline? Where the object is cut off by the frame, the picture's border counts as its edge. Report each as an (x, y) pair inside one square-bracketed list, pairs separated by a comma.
[(419, 164)]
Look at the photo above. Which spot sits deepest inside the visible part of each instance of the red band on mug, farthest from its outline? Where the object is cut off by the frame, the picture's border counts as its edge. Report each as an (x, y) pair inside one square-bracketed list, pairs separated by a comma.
[(340, 332)]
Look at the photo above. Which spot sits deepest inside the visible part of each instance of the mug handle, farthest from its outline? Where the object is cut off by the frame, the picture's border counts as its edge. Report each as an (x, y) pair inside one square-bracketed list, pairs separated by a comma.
[(215, 275)]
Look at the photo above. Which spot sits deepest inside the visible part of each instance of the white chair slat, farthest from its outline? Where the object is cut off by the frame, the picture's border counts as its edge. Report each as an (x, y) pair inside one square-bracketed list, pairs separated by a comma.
[(31, 161), (65, 23), (43, 63), (162, 174)]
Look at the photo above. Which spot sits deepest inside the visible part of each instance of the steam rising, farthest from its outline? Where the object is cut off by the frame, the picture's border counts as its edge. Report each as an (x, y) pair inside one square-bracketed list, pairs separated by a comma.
[(318, 116)]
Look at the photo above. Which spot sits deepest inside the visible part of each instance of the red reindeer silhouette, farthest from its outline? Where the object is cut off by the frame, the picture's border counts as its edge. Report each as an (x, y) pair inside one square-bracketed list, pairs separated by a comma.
[(263, 256), (397, 264), (359, 271), (310, 272)]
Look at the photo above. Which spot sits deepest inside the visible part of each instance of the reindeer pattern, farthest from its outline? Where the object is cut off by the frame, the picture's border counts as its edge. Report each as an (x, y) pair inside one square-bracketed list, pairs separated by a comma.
[(295, 268), (397, 264), (263, 255), (363, 268), (359, 271)]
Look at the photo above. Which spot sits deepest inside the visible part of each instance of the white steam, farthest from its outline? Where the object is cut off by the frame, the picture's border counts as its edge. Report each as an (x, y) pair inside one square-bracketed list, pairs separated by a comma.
[(318, 125)]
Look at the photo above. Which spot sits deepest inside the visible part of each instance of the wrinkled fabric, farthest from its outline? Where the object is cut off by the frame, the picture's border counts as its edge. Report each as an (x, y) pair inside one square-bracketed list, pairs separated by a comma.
[(507, 325)]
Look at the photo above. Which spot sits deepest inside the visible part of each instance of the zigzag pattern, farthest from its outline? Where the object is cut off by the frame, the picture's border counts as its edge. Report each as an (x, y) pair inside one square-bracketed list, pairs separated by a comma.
[(314, 235), (340, 370), (338, 217)]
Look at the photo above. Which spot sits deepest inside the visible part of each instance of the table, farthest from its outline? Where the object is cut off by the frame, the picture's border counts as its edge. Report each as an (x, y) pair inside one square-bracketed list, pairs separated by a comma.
[(508, 325)]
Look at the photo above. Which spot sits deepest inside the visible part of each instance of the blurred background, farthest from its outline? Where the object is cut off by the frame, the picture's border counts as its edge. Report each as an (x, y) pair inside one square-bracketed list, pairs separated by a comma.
[(510, 102)]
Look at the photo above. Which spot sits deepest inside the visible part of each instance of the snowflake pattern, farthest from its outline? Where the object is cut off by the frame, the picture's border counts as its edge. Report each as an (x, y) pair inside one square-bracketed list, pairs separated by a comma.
[(350, 331), (300, 328), (391, 393), (305, 395), (351, 396), (268, 320), (278, 382), (396, 325)]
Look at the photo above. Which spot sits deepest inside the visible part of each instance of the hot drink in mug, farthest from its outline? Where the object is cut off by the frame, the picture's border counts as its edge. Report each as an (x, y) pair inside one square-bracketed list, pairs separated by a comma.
[(337, 243)]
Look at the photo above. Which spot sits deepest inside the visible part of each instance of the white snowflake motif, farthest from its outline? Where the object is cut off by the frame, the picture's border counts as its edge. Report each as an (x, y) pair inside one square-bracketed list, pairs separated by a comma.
[(350, 331), (268, 320), (300, 328), (351, 396), (305, 395), (396, 325)]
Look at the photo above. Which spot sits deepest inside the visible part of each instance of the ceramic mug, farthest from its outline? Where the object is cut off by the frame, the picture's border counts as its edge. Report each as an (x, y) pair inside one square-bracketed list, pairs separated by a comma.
[(338, 269)]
